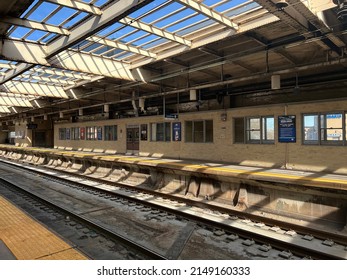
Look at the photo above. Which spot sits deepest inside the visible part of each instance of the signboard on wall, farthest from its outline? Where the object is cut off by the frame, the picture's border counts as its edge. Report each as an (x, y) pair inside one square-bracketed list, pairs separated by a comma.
[(82, 133), (287, 129), (99, 133), (176, 131), (32, 125)]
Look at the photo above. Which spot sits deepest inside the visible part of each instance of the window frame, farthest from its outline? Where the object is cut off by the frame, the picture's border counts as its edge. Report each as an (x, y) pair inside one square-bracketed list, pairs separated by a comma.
[(91, 133), (165, 131), (114, 132), (263, 130), (191, 129), (320, 128), (75, 133), (62, 133)]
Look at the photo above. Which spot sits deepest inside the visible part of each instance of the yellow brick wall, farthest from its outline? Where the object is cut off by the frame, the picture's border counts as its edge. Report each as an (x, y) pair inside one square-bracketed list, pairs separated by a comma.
[(290, 155)]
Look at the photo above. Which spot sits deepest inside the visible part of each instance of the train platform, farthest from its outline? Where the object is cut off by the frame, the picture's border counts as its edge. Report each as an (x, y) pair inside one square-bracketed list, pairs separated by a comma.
[(23, 238), (314, 197), (325, 180)]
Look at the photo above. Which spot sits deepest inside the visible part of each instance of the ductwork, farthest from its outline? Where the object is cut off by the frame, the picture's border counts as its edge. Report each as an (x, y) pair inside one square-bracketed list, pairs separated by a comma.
[(342, 9)]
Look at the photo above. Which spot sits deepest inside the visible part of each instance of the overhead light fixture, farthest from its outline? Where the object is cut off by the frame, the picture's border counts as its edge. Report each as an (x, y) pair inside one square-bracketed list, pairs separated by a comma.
[(80, 112), (192, 95), (142, 103), (281, 4), (275, 82)]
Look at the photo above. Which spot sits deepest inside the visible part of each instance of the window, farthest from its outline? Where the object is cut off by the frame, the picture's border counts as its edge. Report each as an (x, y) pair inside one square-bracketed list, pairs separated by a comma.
[(254, 130), (239, 130), (110, 132), (67, 134), (324, 129), (91, 133), (161, 131), (331, 129), (75, 133), (62, 133), (199, 131)]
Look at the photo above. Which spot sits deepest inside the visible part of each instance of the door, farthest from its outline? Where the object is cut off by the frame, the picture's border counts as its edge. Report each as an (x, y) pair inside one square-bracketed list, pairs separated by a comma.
[(133, 134), (42, 138)]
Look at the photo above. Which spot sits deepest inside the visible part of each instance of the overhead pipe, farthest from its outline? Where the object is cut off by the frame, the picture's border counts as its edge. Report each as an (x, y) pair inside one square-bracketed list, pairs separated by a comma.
[(133, 102)]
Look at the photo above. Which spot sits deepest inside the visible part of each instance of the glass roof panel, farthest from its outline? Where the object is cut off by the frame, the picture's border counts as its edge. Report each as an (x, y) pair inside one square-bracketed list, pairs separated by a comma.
[(155, 43), (196, 27), (242, 9), (113, 52), (143, 41), (110, 29), (29, 8), (76, 19), (121, 32), (166, 11), (61, 16), (100, 3), (134, 36), (147, 8), (211, 2), (186, 22), (92, 47), (49, 38), (102, 50), (40, 13), (19, 32), (228, 5), (36, 35)]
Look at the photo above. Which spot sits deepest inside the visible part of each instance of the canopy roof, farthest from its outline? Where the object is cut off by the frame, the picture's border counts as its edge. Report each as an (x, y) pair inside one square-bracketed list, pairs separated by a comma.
[(64, 55)]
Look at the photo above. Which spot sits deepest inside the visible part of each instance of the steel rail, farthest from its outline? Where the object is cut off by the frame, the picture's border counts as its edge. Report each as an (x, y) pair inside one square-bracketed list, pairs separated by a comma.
[(100, 229), (299, 250)]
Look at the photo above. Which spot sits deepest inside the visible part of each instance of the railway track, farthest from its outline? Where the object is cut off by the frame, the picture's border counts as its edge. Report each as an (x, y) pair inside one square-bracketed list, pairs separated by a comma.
[(268, 234)]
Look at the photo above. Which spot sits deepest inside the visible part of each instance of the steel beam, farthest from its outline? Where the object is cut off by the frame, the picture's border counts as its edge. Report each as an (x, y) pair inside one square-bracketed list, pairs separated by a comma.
[(90, 26), (34, 54), (35, 89), (156, 31), (14, 101), (121, 46), (204, 10), (34, 25), (78, 5)]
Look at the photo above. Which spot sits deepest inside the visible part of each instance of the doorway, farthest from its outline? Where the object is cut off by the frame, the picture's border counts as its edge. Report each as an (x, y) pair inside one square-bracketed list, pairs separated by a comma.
[(133, 139)]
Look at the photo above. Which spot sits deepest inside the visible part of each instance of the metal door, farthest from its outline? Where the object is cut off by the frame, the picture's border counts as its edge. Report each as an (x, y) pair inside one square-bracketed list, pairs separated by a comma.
[(133, 134)]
